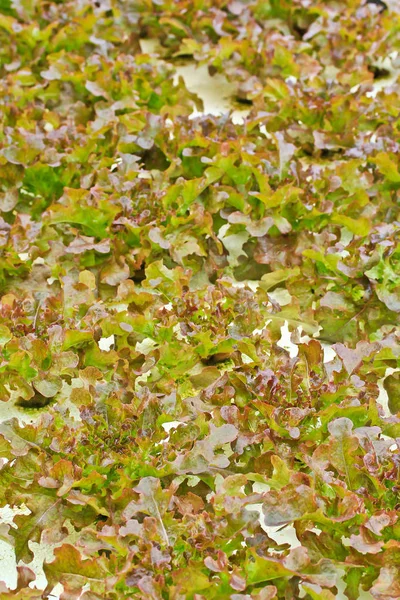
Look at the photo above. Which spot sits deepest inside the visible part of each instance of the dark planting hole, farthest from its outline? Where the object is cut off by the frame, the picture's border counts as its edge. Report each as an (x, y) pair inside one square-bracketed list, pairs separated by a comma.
[(381, 5), (101, 518), (139, 275), (378, 72), (299, 30), (155, 159), (37, 401), (215, 359), (329, 153), (244, 100)]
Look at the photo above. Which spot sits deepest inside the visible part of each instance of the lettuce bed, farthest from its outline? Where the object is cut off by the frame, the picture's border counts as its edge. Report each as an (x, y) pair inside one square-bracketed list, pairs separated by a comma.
[(154, 260)]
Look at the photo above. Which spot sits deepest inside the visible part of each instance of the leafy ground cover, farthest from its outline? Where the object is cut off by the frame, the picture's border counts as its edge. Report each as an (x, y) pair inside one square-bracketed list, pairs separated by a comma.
[(150, 256)]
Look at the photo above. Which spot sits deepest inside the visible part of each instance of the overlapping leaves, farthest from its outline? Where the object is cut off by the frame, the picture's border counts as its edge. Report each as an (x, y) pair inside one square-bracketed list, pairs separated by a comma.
[(149, 259)]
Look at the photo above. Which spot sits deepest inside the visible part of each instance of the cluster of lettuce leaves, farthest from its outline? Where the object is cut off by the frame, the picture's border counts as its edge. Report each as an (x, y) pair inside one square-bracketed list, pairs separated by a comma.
[(148, 262)]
